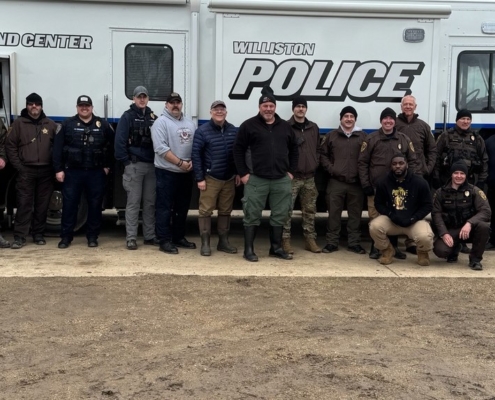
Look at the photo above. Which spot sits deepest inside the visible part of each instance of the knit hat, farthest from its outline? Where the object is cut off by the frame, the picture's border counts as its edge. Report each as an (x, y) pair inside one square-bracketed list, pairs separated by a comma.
[(267, 95), (348, 109), (459, 165), (388, 112), (34, 98), (462, 114), (300, 100)]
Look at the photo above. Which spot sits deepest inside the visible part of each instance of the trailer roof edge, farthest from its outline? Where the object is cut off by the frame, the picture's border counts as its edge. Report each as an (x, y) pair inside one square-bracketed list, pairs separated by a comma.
[(406, 9)]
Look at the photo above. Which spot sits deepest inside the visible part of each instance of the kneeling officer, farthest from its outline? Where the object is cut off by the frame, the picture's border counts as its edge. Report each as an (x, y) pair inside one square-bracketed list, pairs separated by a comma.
[(461, 214)]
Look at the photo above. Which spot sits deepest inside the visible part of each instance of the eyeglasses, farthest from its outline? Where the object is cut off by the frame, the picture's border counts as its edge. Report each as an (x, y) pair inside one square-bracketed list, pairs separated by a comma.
[(34, 104)]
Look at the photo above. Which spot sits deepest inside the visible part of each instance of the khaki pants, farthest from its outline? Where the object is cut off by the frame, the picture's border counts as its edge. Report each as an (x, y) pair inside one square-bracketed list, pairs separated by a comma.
[(372, 212), (218, 195), (420, 232)]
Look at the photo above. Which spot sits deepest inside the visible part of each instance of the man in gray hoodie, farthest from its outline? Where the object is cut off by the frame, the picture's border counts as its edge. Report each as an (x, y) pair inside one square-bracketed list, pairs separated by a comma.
[(172, 135)]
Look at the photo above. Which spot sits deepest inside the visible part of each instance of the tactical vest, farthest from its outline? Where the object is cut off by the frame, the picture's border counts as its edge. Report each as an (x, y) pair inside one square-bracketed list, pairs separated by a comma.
[(460, 147), (457, 206), (140, 132), (85, 146)]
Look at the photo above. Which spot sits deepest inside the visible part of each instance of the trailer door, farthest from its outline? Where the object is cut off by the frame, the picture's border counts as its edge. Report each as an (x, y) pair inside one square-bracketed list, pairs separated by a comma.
[(5, 98), (155, 60)]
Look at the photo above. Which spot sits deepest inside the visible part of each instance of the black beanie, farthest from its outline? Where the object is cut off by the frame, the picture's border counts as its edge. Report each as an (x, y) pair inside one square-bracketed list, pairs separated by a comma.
[(462, 114), (34, 98), (267, 95), (348, 109), (388, 112), (300, 100), (459, 165)]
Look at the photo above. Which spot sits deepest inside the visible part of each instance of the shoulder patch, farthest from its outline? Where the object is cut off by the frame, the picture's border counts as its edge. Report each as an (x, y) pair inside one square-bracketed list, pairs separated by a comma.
[(411, 146), (482, 194), (363, 146)]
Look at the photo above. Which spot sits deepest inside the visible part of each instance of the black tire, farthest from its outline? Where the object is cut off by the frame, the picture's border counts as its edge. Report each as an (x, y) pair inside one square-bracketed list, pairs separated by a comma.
[(54, 217)]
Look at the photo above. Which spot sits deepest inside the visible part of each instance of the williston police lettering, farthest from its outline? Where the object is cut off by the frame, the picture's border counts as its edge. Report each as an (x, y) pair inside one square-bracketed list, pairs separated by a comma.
[(361, 82), (44, 40)]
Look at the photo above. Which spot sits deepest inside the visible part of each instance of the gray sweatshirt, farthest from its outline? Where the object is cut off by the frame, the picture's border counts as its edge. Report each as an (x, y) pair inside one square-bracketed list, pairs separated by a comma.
[(171, 134)]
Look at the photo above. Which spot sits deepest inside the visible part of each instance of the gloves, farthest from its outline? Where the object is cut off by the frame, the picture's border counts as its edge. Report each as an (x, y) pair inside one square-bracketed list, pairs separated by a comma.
[(369, 191)]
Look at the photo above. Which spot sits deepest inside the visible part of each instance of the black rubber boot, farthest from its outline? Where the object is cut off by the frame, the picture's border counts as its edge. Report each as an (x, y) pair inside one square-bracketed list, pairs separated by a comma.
[(223, 228), (374, 252), (249, 236), (276, 249), (205, 233)]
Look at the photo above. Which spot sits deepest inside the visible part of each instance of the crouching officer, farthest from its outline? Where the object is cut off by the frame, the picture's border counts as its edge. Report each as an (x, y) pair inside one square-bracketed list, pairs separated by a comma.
[(461, 213), (82, 158)]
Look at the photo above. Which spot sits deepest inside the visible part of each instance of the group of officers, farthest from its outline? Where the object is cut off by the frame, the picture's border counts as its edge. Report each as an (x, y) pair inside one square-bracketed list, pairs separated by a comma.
[(275, 160)]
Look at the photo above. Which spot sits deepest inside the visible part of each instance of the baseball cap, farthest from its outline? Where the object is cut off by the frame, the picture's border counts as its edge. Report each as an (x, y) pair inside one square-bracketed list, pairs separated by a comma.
[(217, 103), (84, 100), (140, 90), (174, 97)]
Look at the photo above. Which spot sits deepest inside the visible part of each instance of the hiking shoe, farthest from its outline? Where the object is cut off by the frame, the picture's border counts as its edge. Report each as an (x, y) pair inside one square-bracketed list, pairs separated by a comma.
[(330, 248), (39, 240), (132, 245), (169, 248), (64, 243), (18, 242), (92, 242), (4, 244), (475, 265), (357, 249), (152, 242), (184, 243)]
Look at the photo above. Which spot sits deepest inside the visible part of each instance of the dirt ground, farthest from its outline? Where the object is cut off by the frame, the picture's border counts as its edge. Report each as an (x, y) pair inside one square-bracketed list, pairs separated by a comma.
[(107, 323)]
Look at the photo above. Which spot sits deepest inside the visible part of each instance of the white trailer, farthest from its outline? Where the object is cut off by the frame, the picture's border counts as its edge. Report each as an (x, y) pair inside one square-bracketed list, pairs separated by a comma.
[(362, 53)]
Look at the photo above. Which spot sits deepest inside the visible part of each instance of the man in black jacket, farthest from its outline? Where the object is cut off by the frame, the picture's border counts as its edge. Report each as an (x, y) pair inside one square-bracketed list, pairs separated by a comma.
[(266, 155), (134, 149), (461, 213), (403, 199)]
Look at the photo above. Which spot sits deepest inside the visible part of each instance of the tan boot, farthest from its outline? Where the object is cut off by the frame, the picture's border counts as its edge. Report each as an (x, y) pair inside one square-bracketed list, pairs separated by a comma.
[(387, 255), (312, 246), (286, 246), (423, 258)]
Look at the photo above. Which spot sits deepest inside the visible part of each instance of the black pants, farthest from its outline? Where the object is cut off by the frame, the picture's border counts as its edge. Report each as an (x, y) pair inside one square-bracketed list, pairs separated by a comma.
[(479, 236), (34, 188), (93, 183)]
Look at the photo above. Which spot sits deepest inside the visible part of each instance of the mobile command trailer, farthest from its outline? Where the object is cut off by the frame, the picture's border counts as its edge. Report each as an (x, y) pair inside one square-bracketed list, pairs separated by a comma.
[(362, 53)]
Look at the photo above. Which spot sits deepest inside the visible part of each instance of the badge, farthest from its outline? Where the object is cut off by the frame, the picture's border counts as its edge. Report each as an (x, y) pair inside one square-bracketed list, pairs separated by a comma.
[(466, 193), (44, 131), (78, 124), (472, 138), (363, 146), (482, 194), (411, 146), (98, 124), (399, 146)]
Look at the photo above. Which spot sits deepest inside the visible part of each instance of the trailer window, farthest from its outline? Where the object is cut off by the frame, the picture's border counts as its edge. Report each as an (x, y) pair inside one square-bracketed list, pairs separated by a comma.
[(475, 90), (151, 66)]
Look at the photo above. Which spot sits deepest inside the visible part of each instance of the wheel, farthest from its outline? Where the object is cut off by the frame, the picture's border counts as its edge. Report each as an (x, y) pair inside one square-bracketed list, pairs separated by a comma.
[(54, 217)]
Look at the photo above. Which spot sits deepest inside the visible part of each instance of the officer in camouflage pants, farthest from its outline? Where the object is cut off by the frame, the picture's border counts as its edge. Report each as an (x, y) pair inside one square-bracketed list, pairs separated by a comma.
[(303, 185)]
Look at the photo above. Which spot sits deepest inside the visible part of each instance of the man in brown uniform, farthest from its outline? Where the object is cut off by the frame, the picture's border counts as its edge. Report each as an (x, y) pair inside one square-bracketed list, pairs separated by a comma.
[(424, 143), (3, 161), (307, 135), (29, 149), (374, 162), (339, 157)]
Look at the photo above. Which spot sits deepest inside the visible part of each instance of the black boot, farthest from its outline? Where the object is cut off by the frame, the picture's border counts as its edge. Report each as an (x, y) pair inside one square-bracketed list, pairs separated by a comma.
[(394, 241), (249, 235), (205, 233), (276, 249), (223, 228), (374, 253)]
